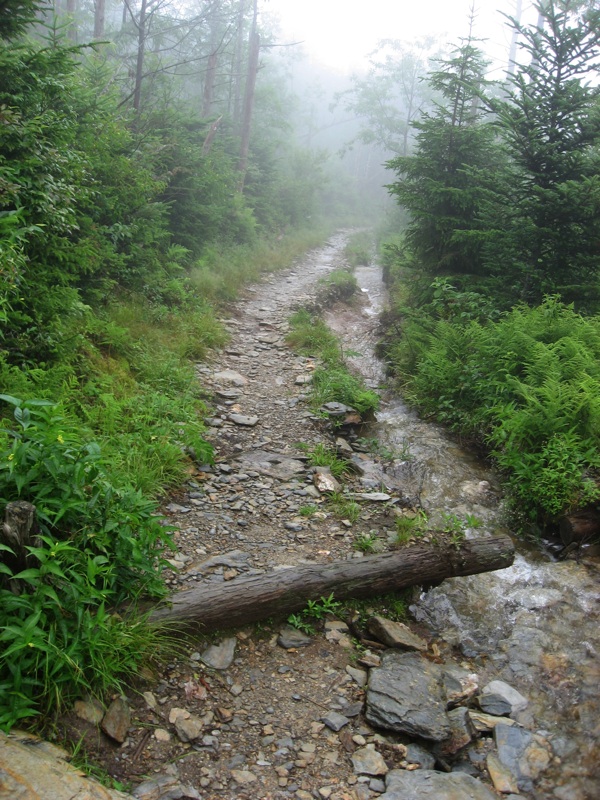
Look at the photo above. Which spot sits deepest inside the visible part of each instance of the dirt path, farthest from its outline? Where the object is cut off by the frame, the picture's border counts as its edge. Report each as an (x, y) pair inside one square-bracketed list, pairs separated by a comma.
[(255, 728)]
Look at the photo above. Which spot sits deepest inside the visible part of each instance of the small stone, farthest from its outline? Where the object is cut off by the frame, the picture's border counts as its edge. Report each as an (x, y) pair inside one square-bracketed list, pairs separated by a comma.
[(150, 700), (301, 380), (90, 710), (415, 754), (231, 377), (325, 482), (220, 656), (502, 778), (161, 735), (243, 776), (495, 705), (335, 721), (175, 713), (514, 698), (395, 634), (117, 720), (291, 637), (484, 723), (188, 729), (243, 420), (367, 761), (358, 675)]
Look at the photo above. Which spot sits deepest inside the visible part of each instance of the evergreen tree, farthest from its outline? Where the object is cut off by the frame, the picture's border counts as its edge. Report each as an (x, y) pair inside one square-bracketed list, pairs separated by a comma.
[(544, 222), (442, 184)]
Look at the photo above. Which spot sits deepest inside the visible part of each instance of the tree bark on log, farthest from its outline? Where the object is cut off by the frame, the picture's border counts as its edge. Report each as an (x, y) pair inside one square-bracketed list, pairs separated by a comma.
[(579, 527), (246, 600)]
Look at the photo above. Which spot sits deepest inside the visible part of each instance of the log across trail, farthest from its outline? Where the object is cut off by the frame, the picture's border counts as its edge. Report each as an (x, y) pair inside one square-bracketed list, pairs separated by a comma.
[(246, 600)]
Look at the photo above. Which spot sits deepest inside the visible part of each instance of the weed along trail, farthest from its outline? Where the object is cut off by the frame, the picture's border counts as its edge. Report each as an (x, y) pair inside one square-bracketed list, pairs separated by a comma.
[(485, 688)]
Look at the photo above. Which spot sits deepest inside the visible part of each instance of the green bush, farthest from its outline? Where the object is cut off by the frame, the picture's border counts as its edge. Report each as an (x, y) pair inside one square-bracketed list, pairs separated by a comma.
[(526, 386), (99, 545)]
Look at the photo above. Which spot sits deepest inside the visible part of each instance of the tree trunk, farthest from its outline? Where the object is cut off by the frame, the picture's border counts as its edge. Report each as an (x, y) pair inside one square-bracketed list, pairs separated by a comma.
[(512, 55), (139, 68), (579, 527), (99, 16), (209, 84), (253, 55), (19, 531), (247, 600)]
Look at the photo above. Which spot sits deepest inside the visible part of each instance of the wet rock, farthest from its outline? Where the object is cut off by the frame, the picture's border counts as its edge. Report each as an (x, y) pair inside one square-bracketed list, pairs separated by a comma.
[(395, 634), (90, 710), (117, 720), (524, 754), (230, 376), (367, 761), (220, 656), (335, 721), (504, 691), (175, 508), (373, 497), (273, 465), (324, 481), (291, 637), (343, 447), (431, 785), (502, 778), (406, 695), (243, 420), (336, 409)]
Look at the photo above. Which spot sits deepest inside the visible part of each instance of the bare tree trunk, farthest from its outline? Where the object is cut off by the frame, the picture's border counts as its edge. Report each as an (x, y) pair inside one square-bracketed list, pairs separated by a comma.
[(253, 55), (209, 84), (72, 29), (139, 68), (19, 531), (247, 600), (512, 55), (99, 17), (237, 67)]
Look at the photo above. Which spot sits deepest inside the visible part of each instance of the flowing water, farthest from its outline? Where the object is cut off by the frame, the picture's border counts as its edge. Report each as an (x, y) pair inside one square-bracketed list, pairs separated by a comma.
[(535, 624)]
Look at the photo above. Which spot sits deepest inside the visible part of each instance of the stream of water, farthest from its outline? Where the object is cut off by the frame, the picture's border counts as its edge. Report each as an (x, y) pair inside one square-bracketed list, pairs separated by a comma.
[(535, 624)]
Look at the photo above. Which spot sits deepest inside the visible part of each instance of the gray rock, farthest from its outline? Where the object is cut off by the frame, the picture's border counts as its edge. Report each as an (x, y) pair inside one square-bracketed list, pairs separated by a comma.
[(231, 377), (367, 761), (90, 710), (324, 481), (189, 728), (358, 675), (274, 465), (495, 705), (459, 684), (219, 656), (415, 754), (502, 778), (164, 787), (335, 721), (243, 776), (525, 755), (463, 732), (430, 785), (505, 691), (117, 720), (395, 634), (291, 637), (336, 409), (243, 420), (406, 695)]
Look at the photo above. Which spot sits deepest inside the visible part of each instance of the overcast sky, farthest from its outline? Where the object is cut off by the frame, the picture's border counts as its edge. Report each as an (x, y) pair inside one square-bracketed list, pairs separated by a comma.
[(340, 33)]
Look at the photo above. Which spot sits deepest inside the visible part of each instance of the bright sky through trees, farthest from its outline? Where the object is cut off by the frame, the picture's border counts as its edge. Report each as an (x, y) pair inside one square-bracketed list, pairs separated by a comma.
[(340, 33)]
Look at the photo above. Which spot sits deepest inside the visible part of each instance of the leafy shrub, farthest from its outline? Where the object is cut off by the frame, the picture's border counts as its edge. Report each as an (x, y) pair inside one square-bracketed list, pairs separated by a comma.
[(527, 386), (337, 285), (99, 545)]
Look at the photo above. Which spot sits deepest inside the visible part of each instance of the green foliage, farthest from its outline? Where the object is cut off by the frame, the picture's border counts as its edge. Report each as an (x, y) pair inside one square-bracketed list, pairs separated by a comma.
[(366, 543), (336, 384), (307, 511), (337, 285), (408, 527), (323, 456), (343, 507), (316, 610), (99, 545), (311, 336), (527, 387), (358, 251)]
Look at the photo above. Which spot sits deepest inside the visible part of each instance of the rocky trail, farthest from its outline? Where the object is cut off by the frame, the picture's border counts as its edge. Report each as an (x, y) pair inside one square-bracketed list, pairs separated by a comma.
[(269, 712)]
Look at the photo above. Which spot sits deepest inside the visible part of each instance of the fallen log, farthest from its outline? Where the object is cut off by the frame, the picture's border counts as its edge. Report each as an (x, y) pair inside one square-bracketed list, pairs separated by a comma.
[(579, 527), (246, 600)]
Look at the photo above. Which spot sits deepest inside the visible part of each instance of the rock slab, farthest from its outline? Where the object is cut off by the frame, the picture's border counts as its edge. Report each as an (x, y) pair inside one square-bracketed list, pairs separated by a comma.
[(406, 695), (427, 784)]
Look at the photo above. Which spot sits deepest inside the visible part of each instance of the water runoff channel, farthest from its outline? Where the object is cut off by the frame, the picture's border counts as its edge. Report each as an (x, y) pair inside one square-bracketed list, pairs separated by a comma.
[(533, 625)]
